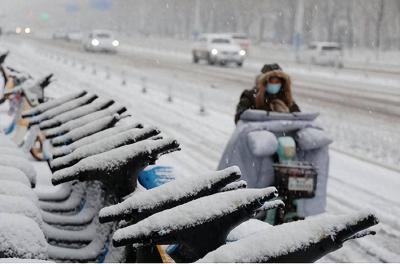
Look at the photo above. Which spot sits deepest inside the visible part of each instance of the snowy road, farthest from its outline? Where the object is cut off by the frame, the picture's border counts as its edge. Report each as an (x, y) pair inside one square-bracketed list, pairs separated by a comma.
[(353, 183), (349, 104)]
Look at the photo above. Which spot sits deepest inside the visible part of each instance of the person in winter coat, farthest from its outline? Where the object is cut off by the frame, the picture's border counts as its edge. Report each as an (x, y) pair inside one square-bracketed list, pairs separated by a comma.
[(272, 92)]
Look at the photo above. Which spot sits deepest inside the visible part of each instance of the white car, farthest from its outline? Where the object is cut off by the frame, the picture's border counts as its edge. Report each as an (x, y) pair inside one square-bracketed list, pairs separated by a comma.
[(101, 41), (242, 40), (218, 49), (74, 36), (322, 53)]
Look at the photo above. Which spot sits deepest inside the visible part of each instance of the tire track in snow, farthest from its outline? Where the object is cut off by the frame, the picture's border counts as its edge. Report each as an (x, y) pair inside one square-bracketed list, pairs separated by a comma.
[(367, 192), (246, 78), (372, 246), (368, 245)]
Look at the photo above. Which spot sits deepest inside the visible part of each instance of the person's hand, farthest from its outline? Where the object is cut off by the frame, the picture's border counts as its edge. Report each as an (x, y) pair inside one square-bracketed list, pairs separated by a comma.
[(279, 106)]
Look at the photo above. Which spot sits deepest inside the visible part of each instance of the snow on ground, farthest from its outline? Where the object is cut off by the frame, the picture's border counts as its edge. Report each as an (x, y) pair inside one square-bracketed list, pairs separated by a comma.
[(348, 108), (356, 58), (354, 183)]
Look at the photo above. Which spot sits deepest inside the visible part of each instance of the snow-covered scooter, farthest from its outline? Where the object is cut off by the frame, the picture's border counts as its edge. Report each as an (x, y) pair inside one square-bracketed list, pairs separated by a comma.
[(288, 151)]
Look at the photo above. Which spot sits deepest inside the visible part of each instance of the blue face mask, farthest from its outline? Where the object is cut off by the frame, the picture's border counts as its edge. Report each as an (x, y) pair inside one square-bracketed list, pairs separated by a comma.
[(273, 88)]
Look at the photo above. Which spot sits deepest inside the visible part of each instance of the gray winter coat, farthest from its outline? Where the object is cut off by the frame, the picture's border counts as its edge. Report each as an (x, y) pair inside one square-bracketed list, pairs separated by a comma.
[(253, 145)]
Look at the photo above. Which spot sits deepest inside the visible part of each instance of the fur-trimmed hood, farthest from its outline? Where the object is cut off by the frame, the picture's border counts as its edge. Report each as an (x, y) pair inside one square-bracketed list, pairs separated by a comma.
[(286, 92)]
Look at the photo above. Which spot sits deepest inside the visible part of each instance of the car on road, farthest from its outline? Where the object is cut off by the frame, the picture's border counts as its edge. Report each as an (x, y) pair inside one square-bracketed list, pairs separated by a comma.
[(242, 40), (74, 36), (322, 53), (218, 49), (101, 41)]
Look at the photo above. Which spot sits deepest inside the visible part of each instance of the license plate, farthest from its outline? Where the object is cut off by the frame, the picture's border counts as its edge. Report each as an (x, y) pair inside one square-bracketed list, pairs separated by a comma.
[(301, 184)]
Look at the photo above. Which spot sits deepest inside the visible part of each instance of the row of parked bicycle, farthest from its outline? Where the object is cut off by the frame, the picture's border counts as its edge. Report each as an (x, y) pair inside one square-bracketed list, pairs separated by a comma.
[(101, 208)]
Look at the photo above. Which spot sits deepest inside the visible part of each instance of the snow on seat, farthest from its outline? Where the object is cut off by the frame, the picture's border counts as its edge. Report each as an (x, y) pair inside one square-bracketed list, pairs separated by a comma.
[(234, 186), (72, 114), (20, 163), (108, 143), (72, 203), (75, 123), (247, 228), (201, 225), (13, 151), (64, 150), (50, 113), (301, 241), (20, 205), (14, 188), (57, 235), (52, 104), (85, 130), (90, 253), (21, 237), (54, 193), (14, 174), (142, 204), (114, 162), (86, 215)]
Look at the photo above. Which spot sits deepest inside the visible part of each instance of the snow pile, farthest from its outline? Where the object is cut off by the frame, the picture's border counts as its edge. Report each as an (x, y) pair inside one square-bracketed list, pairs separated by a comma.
[(110, 161), (68, 126), (86, 130), (63, 108), (247, 228), (89, 253), (70, 236), (276, 241), (20, 163), (94, 106), (21, 237), (234, 185), (84, 217), (54, 193), (13, 188), (20, 205), (13, 174), (168, 194), (61, 151), (12, 152), (108, 143), (191, 214), (52, 104), (72, 203), (96, 235), (94, 201)]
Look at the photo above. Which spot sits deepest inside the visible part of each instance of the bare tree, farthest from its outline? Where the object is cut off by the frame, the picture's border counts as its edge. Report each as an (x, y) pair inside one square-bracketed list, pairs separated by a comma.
[(379, 20)]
